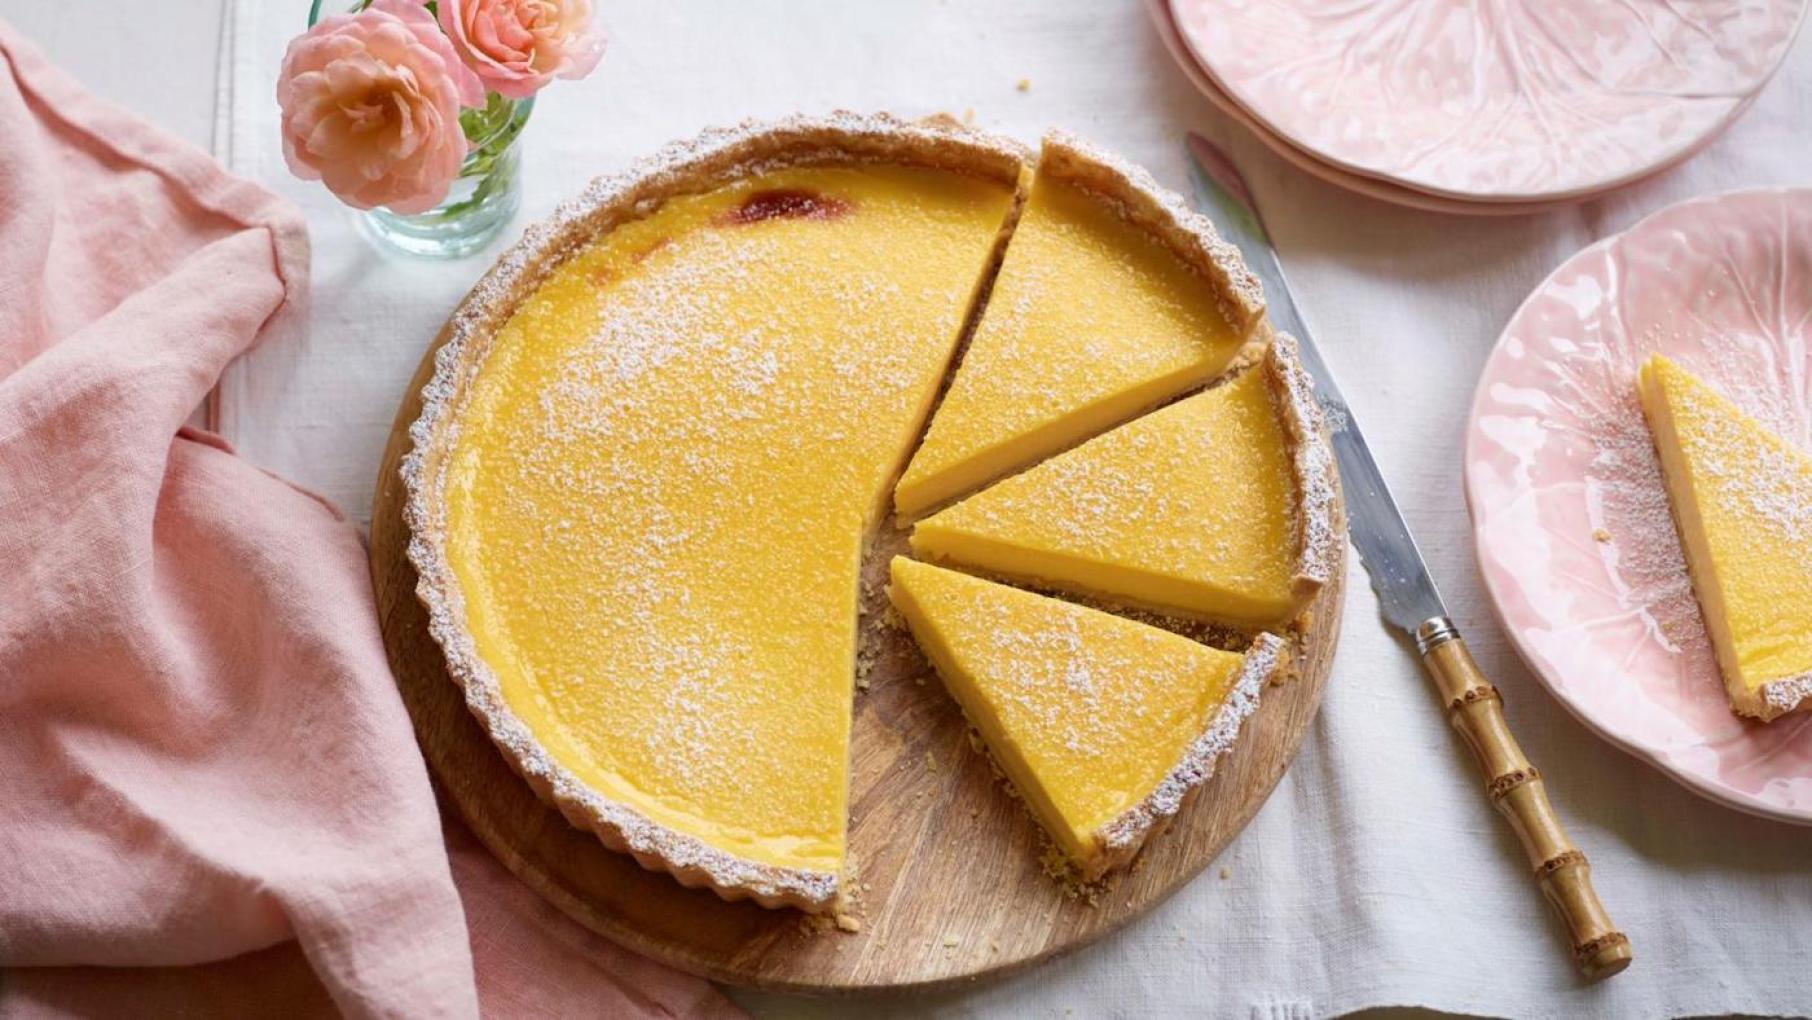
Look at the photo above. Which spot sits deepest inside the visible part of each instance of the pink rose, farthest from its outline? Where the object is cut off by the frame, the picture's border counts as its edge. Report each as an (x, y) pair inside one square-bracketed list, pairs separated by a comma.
[(371, 106), (517, 46)]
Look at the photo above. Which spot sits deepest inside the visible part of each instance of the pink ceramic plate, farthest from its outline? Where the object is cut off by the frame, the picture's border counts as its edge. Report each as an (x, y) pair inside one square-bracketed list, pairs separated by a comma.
[(1575, 543), (1493, 100), (1369, 186)]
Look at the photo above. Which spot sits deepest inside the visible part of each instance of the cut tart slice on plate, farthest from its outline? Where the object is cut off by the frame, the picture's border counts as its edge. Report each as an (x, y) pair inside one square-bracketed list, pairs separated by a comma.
[(1219, 506), (1742, 501), (1112, 299), (1103, 724), (685, 395)]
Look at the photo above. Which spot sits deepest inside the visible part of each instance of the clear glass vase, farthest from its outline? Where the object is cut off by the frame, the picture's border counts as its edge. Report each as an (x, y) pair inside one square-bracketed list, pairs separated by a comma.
[(485, 195)]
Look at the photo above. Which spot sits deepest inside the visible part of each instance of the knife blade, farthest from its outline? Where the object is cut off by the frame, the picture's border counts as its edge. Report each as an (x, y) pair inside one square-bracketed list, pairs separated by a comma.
[(1407, 595), (1405, 589)]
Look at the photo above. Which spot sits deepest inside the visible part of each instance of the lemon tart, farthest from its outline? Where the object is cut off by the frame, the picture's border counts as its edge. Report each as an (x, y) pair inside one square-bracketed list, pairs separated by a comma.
[(1742, 501), (690, 391), (1219, 506), (661, 433), (1112, 298), (1103, 724)]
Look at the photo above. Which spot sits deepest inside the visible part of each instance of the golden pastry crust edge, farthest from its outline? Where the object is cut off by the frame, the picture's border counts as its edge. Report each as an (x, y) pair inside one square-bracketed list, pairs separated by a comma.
[(1121, 839)]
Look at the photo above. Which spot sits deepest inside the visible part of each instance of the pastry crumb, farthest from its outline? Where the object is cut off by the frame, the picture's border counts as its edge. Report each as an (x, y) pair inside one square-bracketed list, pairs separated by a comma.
[(1600, 535), (1058, 867), (930, 762), (951, 942), (1024, 85), (891, 619), (1226, 873), (846, 913)]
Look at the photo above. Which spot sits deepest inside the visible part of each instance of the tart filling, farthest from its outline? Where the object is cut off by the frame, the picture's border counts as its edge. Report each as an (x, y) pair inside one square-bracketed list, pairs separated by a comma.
[(1219, 506), (1103, 724), (1742, 500)]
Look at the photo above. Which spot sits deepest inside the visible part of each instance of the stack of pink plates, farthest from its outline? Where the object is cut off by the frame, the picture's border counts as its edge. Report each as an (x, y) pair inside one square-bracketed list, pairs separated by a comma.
[(1493, 107)]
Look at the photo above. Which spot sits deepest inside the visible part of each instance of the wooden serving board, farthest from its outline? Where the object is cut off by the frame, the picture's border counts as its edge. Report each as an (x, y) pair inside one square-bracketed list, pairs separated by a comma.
[(951, 885)]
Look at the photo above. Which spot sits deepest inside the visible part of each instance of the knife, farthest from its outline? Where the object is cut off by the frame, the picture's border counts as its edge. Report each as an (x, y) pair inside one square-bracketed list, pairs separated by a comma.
[(1410, 600)]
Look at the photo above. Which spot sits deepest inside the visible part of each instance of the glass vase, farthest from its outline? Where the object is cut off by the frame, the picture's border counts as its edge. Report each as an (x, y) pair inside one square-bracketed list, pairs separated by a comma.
[(483, 198)]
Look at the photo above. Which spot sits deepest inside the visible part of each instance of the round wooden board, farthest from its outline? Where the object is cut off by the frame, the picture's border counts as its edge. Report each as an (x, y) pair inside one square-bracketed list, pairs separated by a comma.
[(951, 885)]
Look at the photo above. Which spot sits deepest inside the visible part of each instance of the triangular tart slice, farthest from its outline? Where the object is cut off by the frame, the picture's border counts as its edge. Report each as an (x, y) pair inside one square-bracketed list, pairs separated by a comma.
[(1220, 506), (1103, 724), (1112, 298), (1742, 499)]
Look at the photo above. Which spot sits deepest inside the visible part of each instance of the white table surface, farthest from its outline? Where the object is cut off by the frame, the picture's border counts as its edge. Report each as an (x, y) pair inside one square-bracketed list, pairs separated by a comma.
[(1408, 893)]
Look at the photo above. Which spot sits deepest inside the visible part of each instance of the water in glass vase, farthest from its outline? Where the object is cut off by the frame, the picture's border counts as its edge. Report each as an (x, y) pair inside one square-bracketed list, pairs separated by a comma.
[(483, 198)]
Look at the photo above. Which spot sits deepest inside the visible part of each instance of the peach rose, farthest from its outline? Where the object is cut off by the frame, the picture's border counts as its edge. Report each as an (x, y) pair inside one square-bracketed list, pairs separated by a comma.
[(517, 46), (370, 106)]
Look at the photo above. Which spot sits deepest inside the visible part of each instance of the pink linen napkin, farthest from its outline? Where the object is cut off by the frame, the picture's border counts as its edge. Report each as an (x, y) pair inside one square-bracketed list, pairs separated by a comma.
[(210, 796)]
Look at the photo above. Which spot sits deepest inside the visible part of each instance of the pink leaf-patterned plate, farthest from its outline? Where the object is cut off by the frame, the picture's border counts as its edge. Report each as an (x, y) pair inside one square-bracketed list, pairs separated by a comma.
[(1575, 542), (1493, 100), (1370, 187)]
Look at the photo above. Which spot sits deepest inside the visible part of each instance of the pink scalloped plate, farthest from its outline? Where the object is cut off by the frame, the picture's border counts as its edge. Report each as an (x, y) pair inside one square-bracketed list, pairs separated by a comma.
[(1492, 100), (1575, 542), (1367, 186)]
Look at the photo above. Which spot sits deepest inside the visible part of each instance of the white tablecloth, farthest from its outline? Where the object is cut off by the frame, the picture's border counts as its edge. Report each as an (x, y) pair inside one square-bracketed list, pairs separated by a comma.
[(1377, 874)]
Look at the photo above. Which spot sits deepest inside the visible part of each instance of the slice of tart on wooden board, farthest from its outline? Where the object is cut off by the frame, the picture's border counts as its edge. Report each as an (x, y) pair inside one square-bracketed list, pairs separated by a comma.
[(1742, 501), (1112, 299), (1216, 507), (1104, 725)]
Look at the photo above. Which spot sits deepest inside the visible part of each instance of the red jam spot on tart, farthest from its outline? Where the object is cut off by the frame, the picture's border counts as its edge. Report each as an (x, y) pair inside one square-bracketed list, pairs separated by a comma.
[(785, 203)]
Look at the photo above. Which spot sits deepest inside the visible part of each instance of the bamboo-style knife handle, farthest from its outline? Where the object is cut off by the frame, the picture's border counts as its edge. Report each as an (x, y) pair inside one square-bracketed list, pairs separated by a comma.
[(1476, 709)]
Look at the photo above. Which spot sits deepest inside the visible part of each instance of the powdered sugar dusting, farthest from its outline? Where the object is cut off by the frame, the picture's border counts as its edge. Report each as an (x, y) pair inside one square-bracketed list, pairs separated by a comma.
[(1319, 535), (1165, 213), (1628, 502), (1770, 480)]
